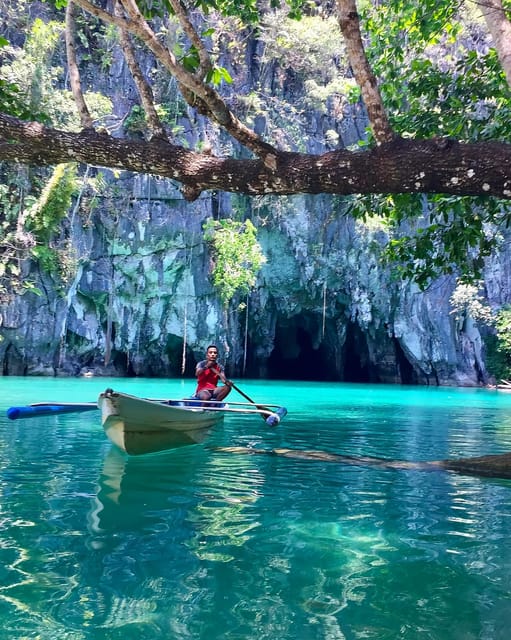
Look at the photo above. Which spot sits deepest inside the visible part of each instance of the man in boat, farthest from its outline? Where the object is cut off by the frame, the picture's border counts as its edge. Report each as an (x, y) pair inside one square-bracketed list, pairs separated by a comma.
[(208, 373)]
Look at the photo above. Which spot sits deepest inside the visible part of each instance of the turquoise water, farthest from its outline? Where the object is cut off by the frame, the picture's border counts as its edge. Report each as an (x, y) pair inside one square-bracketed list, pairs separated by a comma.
[(203, 544)]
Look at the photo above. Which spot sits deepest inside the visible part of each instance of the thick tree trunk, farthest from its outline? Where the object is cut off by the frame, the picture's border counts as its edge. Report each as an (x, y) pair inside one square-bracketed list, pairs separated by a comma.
[(401, 166)]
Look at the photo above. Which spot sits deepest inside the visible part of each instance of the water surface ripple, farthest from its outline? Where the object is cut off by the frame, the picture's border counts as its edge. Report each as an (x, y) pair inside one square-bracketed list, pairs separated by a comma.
[(210, 542)]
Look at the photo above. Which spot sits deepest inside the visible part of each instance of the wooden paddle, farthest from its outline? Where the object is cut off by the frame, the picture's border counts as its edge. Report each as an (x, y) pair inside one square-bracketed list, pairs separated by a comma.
[(272, 420), (230, 383)]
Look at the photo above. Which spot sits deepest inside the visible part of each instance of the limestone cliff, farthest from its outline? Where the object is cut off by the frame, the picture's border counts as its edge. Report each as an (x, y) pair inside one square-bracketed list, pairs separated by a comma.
[(323, 307), (138, 299)]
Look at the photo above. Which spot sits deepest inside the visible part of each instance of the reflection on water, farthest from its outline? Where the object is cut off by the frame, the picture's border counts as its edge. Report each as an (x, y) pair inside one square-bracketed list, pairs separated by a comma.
[(206, 544), (131, 491)]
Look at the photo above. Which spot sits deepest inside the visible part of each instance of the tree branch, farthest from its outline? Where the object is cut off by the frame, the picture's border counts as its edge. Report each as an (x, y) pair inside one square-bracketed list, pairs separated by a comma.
[(401, 166), (350, 26), (72, 65), (205, 60), (217, 108), (144, 90)]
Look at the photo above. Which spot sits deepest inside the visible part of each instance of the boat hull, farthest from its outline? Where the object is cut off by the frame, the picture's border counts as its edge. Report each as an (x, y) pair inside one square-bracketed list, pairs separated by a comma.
[(139, 426)]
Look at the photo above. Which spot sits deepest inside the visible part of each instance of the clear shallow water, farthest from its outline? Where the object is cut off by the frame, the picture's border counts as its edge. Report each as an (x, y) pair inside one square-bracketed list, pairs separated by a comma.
[(211, 545)]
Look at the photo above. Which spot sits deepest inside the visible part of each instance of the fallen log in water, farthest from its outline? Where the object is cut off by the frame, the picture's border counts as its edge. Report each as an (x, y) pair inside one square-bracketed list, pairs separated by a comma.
[(494, 466)]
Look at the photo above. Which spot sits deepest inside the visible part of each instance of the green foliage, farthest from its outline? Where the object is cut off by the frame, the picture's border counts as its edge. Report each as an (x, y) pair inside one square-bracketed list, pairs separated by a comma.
[(247, 10), (498, 363), (28, 226), (498, 346), (15, 242), (434, 235), (64, 115), (29, 76), (190, 60), (503, 328), (55, 201), (310, 46), (468, 101), (449, 234), (136, 121), (217, 75), (11, 102), (436, 78), (237, 256), (468, 301), (44, 220), (11, 99), (108, 40), (29, 80), (47, 258)]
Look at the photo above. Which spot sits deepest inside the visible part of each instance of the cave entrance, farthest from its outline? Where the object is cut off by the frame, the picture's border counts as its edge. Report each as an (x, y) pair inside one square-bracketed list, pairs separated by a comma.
[(174, 352), (355, 355), (294, 357)]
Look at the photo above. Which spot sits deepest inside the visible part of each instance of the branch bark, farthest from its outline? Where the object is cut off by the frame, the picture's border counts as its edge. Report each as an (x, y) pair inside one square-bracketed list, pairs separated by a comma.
[(499, 27), (400, 166), (350, 26), (72, 64)]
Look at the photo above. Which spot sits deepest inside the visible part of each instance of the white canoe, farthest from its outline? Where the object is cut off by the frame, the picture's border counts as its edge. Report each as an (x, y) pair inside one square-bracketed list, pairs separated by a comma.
[(137, 425)]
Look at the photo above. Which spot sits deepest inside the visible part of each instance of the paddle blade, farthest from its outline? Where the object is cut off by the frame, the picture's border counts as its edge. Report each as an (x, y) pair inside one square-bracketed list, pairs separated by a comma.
[(36, 410), (276, 417)]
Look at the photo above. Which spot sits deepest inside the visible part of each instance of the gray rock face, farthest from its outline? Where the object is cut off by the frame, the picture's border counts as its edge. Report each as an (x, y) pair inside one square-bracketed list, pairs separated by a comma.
[(141, 301)]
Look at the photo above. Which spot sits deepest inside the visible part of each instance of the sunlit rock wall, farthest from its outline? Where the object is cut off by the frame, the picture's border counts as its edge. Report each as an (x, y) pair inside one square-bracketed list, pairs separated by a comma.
[(140, 301)]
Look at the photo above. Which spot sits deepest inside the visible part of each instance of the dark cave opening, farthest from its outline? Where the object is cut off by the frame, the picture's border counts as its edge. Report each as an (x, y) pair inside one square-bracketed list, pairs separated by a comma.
[(294, 358), (407, 373), (174, 351), (356, 357)]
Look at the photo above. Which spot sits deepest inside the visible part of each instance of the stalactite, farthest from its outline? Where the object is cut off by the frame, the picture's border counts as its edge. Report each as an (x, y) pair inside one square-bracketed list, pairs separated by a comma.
[(224, 339), (111, 290), (70, 296), (108, 336)]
